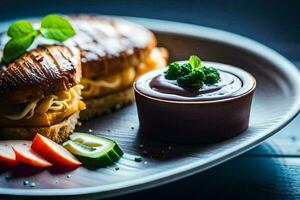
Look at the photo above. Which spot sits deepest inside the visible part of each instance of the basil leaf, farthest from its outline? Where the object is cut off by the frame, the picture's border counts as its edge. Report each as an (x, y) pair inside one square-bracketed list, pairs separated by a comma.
[(56, 27), (20, 29), (16, 47), (195, 62)]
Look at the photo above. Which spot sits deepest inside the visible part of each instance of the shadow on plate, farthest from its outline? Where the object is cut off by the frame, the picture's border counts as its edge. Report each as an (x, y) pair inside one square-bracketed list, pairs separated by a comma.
[(248, 176), (24, 171)]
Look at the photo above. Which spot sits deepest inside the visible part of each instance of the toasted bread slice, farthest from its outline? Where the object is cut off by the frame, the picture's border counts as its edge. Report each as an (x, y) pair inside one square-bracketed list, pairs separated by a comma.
[(58, 132), (107, 104), (115, 91), (40, 72), (109, 44)]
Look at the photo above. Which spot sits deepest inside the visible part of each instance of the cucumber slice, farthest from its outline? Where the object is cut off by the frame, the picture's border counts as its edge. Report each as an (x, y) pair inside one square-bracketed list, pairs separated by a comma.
[(93, 150)]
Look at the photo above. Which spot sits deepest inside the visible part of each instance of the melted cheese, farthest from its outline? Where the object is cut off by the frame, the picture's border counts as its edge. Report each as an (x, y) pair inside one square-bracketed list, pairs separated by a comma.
[(156, 59), (123, 79), (49, 110), (29, 110), (109, 84)]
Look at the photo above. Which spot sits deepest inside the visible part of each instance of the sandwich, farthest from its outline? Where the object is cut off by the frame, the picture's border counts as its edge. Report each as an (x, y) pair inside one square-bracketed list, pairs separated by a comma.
[(113, 53), (40, 93)]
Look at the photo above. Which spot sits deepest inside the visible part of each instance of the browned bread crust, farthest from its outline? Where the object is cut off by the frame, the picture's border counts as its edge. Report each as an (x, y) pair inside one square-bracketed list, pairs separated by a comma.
[(40, 72), (109, 44), (101, 105), (58, 132)]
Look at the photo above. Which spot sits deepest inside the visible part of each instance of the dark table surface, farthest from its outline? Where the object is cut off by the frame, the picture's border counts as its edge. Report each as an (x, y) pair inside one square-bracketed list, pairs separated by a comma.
[(270, 171)]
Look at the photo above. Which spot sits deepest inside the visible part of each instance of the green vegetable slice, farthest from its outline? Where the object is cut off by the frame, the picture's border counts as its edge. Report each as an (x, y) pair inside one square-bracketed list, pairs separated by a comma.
[(93, 150)]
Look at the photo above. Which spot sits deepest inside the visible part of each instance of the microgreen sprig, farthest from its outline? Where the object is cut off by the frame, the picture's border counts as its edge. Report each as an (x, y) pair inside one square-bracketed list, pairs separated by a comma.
[(22, 34)]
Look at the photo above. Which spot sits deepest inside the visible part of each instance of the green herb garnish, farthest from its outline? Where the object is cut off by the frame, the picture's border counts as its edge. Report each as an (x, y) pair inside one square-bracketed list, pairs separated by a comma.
[(23, 34), (192, 74), (138, 159), (56, 27)]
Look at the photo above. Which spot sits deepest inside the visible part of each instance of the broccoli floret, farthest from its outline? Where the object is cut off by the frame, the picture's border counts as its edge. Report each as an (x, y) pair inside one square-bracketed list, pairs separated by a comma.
[(186, 68), (192, 74), (173, 72), (192, 80), (211, 75)]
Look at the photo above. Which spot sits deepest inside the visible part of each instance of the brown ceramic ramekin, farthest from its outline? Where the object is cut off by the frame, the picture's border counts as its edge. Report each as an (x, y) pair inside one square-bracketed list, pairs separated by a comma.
[(201, 121)]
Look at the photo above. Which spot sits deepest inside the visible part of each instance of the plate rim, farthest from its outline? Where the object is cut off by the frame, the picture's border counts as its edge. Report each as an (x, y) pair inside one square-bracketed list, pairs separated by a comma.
[(164, 177)]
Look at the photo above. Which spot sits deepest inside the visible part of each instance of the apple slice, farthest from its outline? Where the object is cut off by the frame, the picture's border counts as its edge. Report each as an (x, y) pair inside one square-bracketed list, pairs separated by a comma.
[(53, 152), (24, 154), (7, 154)]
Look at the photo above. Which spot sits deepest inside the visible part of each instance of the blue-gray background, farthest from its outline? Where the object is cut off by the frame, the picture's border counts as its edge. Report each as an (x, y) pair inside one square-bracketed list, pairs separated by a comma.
[(274, 23)]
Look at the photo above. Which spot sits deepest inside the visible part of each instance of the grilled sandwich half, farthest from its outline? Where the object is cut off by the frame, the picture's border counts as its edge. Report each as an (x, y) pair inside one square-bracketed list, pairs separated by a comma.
[(113, 53), (40, 93)]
